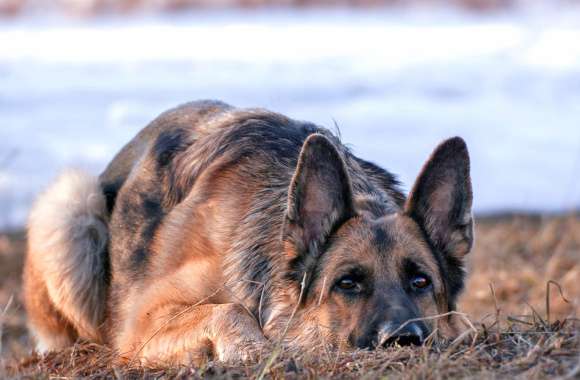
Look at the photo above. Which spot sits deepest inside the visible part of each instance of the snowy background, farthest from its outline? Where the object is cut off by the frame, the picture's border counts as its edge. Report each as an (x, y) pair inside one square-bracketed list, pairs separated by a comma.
[(397, 82)]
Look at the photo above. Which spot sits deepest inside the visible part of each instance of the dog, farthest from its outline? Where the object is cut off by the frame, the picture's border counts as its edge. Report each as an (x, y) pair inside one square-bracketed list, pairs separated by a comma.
[(217, 230)]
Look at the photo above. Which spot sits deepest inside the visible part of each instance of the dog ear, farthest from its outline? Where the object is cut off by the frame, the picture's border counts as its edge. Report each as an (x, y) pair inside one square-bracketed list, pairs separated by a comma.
[(441, 200), (319, 197)]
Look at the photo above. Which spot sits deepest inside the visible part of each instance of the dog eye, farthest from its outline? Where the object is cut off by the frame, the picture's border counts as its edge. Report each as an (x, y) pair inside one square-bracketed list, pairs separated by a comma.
[(347, 283), (420, 282)]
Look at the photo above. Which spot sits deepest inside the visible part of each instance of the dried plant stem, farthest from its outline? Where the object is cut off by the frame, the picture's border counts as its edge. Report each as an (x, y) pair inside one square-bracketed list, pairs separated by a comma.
[(2, 317), (557, 285), (463, 316), (278, 348)]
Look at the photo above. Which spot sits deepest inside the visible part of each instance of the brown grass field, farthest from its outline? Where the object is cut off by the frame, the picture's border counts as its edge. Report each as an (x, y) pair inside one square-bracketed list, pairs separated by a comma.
[(523, 326)]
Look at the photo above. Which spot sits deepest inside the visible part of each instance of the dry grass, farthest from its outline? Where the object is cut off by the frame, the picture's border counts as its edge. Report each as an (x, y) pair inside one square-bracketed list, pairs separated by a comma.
[(518, 255)]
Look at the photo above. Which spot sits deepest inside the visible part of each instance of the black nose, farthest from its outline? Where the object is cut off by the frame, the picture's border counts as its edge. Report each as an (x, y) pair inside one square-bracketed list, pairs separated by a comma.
[(407, 335)]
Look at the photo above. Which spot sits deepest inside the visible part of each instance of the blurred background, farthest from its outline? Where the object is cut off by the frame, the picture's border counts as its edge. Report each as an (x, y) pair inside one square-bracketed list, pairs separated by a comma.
[(78, 79)]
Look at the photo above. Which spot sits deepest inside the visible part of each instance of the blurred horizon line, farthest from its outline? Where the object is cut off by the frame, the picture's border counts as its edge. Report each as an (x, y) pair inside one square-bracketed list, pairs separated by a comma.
[(94, 8)]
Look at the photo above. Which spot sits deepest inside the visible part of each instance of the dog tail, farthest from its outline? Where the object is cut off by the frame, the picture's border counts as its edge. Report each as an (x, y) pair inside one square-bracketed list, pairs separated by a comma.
[(67, 246)]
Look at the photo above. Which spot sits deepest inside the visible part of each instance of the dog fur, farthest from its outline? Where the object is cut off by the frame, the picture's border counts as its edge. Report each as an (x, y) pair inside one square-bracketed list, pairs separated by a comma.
[(216, 230), (68, 236)]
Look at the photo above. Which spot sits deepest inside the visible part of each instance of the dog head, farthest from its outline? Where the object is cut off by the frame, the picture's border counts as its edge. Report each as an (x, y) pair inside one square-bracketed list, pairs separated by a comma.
[(370, 280)]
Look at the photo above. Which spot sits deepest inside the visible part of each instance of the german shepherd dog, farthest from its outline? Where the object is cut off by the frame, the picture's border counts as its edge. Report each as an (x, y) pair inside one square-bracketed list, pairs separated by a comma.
[(217, 230)]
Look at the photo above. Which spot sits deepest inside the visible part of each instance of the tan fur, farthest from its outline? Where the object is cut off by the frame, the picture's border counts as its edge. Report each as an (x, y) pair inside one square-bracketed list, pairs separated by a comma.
[(216, 217), (182, 333), (67, 235), (49, 328)]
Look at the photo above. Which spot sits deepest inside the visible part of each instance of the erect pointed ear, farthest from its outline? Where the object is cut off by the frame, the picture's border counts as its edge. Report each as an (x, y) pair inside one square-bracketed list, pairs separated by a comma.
[(441, 199), (319, 197)]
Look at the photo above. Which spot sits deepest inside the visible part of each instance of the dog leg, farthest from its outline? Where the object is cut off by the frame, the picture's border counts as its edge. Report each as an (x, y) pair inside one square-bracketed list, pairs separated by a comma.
[(175, 334), (50, 329)]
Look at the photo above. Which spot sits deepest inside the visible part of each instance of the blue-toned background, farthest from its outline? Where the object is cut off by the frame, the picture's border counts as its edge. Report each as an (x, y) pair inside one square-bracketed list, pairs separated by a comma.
[(395, 80)]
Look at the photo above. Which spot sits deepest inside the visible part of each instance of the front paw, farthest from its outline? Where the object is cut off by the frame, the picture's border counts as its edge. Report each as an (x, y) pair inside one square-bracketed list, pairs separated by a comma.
[(246, 350), (238, 337)]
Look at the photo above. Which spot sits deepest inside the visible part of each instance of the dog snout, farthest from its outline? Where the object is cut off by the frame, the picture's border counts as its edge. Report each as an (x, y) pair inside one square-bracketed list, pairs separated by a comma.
[(406, 334)]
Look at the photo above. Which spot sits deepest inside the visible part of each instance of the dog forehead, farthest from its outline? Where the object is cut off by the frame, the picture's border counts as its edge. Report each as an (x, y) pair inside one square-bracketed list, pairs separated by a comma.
[(391, 237), (385, 247), (380, 242)]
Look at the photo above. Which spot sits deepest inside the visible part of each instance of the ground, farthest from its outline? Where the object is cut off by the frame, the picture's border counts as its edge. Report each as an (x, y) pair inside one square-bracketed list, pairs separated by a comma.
[(520, 329)]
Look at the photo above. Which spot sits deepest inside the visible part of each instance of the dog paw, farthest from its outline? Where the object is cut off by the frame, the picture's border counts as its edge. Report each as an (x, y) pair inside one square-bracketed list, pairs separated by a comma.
[(239, 337)]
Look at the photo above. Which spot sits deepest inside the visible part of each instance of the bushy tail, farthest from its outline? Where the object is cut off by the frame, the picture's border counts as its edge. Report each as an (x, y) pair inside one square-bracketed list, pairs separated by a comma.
[(68, 237)]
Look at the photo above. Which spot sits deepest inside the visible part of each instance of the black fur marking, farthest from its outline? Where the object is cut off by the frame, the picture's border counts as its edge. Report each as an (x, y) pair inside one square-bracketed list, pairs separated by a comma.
[(151, 208), (382, 240), (410, 268), (138, 259), (110, 192), (270, 136), (386, 180), (168, 144)]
